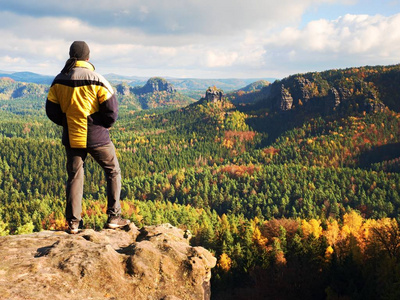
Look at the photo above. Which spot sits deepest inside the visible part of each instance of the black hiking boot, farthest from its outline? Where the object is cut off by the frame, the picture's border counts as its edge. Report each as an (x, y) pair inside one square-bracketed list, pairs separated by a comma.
[(115, 222), (73, 226)]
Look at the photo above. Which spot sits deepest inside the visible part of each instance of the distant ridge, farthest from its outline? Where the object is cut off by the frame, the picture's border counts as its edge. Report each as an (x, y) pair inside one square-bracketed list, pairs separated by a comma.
[(157, 92), (28, 77), (190, 84), (226, 84), (180, 84)]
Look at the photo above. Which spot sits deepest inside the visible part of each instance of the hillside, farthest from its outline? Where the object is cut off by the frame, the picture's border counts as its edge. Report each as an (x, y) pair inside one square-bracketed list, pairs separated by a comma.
[(247, 94), (255, 86), (193, 84), (293, 193), (362, 89), (11, 89), (185, 85), (189, 85), (28, 77), (156, 93), (135, 92)]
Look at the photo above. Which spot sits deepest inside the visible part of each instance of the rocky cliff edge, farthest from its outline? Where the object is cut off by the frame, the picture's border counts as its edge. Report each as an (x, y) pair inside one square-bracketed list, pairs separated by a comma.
[(155, 262)]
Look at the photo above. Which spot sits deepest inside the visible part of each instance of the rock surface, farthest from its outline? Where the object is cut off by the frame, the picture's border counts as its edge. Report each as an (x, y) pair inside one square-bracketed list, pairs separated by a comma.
[(155, 262), (286, 100), (156, 84), (214, 94), (325, 94), (123, 89)]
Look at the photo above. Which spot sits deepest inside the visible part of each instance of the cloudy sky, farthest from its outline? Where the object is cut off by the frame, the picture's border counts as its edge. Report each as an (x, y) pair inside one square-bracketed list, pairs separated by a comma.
[(201, 38)]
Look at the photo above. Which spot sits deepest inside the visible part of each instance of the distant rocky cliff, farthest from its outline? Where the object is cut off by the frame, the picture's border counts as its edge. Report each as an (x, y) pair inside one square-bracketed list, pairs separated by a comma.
[(157, 92), (154, 84), (368, 89), (155, 262), (157, 84)]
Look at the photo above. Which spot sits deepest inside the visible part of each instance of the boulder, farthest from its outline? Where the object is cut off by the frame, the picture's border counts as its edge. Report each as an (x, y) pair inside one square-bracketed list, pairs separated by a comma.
[(155, 262)]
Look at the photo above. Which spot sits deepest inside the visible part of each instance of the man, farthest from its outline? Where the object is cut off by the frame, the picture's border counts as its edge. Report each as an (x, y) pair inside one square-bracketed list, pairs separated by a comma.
[(84, 103)]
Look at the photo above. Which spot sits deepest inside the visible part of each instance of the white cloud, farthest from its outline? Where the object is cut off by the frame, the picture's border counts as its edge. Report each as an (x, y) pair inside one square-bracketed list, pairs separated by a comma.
[(211, 17), (250, 38), (350, 40), (11, 60), (220, 58)]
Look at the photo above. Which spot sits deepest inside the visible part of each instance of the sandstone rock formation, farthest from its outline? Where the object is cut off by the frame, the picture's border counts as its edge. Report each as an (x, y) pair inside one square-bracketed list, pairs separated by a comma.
[(319, 93), (374, 106), (303, 86), (155, 262), (333, 98), (286, 99), (157, 84), (154, 84), (123, 89), (213, 94)]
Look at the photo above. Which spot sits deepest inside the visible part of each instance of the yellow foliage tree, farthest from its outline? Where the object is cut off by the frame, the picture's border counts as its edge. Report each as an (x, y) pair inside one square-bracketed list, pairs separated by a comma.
[(328, 253), (225, 262), (258, 237), (311, 227), (332, 232), (353, 225)]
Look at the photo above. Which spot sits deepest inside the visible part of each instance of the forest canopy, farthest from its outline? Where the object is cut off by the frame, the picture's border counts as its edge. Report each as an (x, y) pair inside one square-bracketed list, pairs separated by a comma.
[(306, 197)]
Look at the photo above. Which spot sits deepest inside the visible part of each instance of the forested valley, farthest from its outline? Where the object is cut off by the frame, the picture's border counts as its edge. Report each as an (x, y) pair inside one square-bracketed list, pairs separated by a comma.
[(295, 189)]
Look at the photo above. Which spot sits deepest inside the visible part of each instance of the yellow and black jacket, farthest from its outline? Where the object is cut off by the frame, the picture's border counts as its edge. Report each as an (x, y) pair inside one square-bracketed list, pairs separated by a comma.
[(84, 103)]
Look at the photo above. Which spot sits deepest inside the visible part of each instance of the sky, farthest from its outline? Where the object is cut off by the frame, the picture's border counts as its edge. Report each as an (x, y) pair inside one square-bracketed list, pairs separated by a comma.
[(200, 38)]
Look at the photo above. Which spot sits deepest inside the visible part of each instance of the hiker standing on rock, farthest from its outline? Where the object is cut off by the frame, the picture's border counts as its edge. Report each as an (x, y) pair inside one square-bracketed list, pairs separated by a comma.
[(84, 103)]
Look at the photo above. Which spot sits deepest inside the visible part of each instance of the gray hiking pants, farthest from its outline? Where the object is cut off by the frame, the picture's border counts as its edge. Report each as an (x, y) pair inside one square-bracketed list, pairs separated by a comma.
[(106, 157)]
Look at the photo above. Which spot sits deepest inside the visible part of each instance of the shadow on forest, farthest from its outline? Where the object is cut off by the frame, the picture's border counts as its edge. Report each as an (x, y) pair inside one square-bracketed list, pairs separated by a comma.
[(379, 154), (276, 124)]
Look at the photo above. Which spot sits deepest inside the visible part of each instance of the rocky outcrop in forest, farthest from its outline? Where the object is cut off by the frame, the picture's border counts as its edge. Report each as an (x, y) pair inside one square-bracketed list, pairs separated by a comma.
[(368, 89), (213, 94), (155, 262), (157, 84), (154, 84), (157, 92)]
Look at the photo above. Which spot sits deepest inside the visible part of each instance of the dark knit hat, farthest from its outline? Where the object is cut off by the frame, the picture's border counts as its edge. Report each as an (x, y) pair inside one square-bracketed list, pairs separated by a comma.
[(79, 50)]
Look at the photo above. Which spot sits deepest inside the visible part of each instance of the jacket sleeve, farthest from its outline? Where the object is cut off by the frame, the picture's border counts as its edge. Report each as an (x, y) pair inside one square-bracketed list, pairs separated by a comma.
[(53, 112), (108, 104), (109, 111)]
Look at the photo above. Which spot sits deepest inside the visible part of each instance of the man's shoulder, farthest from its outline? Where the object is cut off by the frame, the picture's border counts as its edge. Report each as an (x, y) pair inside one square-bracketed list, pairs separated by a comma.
[(101, 79), (60, 78)]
